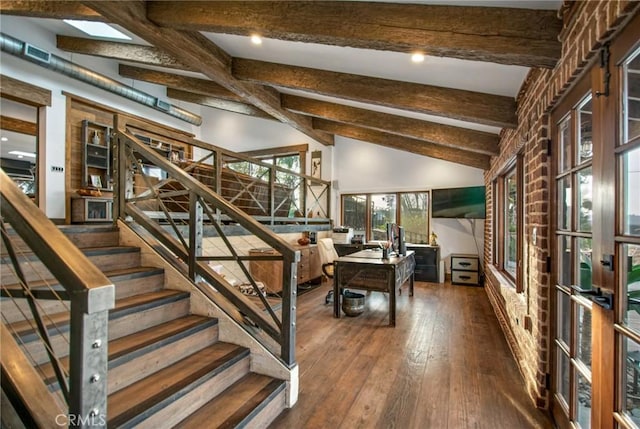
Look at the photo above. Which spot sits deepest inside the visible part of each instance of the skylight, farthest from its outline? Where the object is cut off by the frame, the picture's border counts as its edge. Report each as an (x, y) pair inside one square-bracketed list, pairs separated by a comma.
[(97, 29)]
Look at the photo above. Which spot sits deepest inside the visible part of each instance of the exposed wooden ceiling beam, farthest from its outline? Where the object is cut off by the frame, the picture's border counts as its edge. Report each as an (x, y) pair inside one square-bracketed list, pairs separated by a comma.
[(50, 9), (419, 147), (446, 135), (119, 51), (204, 56), (469, 106), (217, 103), (186, 83), (509, 36)]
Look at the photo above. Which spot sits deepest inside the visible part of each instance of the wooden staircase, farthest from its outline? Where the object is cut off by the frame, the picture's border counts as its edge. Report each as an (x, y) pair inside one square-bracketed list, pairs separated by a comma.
[(167, 366)]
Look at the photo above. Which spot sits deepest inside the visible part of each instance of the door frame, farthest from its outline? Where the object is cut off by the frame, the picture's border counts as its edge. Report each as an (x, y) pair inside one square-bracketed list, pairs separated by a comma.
[(39, 98)]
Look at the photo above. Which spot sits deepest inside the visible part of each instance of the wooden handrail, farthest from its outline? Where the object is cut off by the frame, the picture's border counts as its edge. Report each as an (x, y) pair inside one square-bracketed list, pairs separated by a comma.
[(83, 280), (207, 194), (91, 296), (23, 384), (284, 330)]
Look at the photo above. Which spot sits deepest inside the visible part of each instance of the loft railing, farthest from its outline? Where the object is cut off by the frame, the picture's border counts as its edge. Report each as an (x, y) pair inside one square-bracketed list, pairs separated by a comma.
[(272, 194), (190, 223), (29, 288)]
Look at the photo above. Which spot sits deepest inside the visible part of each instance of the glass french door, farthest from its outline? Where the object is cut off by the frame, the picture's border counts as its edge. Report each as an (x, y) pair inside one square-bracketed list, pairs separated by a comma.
[(627, 244), (596, 274), (574, 238)]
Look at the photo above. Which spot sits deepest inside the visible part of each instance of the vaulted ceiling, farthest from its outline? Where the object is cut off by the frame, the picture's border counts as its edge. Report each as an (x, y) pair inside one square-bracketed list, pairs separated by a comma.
[(333, 68)]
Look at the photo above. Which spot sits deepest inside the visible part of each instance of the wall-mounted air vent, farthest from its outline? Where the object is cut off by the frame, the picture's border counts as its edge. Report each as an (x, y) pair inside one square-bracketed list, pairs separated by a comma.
[(161, 104), (36, 53)]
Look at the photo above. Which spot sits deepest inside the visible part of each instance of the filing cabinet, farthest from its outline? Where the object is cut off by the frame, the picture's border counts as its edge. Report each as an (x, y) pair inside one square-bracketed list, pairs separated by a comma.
[(427, 261)]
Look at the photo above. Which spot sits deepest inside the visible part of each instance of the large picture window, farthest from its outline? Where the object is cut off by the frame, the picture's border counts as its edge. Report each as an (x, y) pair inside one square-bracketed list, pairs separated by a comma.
[(508, 221), (368, 214)]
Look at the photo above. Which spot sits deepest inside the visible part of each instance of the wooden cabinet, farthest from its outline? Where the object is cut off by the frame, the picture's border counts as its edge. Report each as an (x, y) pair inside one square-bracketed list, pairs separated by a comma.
[(310, 266), (427, 262), (465, 269), (270, 272)]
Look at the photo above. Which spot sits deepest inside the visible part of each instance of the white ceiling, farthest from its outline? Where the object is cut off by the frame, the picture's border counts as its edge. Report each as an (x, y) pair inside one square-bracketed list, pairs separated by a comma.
[(484, 77)]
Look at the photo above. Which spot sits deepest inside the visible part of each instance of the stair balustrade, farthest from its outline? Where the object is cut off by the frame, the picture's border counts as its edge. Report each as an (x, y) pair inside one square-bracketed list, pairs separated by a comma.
[(30, 256), (180, 208)]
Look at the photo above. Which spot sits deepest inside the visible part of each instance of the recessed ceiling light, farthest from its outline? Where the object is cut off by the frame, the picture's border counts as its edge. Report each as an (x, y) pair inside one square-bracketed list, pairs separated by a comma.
[(20, 154), (4, 139), (97, 29), (256, 40), (417, 57)]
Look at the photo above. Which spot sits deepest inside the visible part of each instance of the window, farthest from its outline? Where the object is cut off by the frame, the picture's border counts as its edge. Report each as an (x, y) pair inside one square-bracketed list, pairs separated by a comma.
[(383, 211), (511, 223), (288, 157), (368, 214), (508, 221)]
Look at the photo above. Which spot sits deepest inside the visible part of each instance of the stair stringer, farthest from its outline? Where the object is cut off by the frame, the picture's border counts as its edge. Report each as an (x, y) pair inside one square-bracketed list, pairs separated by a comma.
[(262, 360)]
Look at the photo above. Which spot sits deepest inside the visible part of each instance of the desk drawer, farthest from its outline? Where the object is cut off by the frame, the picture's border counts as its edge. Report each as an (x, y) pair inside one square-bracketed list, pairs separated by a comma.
[(463, 263), (464, 277)]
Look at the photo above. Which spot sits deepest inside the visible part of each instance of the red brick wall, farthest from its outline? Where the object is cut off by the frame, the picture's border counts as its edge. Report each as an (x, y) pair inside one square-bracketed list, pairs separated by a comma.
[(526, 317)]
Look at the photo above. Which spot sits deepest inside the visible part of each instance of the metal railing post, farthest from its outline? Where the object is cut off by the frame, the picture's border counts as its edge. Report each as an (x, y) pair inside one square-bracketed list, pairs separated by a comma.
[(289, 304), (272, 194), (195, 233), (88, 365)]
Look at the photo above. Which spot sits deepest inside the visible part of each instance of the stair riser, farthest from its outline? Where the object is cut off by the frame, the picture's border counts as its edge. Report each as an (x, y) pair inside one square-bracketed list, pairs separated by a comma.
[(119, 327), (135, 286), (13, 309), (269, 412), (81, 238), (141, 320), (94, 239), (142, 366), (117, 261), (34, 270), (173, 413), (35, 349)]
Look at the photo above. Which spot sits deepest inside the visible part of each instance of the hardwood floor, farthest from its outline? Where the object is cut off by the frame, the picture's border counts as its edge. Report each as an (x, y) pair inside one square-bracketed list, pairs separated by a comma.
[(446, 364)]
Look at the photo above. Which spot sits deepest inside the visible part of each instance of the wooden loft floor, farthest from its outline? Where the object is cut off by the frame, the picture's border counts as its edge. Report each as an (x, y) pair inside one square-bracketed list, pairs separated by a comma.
[(445, 365)]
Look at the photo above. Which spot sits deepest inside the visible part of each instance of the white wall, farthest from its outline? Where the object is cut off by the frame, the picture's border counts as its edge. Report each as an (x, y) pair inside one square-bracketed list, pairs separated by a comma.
[(241, 133), (27, 30), (365, 167)]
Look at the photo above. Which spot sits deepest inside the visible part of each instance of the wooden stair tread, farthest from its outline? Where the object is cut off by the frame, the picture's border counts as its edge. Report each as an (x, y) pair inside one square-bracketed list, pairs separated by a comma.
[(232, 407), (136, 343), (122, 307), (170, 383), (111, 275)]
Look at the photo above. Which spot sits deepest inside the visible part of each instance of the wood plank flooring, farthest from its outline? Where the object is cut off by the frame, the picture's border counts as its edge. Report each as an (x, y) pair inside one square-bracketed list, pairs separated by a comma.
[(446, 364)]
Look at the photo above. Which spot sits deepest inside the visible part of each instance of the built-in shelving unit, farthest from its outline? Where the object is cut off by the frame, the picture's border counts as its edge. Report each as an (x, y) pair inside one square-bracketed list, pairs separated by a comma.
[(97, 155)]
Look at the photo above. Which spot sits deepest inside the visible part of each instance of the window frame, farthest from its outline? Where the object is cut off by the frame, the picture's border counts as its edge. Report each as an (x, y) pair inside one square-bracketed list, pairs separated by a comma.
[(281, 152), (513, 169)]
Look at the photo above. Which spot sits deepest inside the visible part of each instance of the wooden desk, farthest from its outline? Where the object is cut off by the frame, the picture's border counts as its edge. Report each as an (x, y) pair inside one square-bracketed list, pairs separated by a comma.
[(366, 270)]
